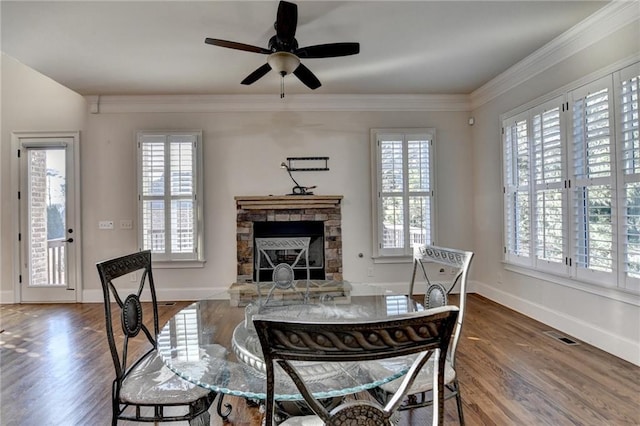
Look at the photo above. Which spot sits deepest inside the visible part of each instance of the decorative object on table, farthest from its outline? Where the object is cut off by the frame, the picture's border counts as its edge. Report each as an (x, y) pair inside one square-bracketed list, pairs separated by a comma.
[(284, 53), (144, 389), (286, 342), (297, 189), (457, 263)]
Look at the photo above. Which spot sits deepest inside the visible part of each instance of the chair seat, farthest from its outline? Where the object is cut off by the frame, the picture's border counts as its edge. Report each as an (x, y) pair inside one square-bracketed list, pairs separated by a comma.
[(424, 380), (152, 383)]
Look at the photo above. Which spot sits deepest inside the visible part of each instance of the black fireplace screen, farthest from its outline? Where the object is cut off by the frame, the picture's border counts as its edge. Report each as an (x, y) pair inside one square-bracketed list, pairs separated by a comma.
[(312, 229)]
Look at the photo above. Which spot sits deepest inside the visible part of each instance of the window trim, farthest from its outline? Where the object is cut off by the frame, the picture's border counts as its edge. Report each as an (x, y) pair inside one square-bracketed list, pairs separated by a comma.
[(380, 255), (173, 260)]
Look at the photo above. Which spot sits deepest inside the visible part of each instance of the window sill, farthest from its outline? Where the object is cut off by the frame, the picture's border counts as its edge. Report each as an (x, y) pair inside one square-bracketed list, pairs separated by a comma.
[(614, 293), (178, 264), (392, 259)]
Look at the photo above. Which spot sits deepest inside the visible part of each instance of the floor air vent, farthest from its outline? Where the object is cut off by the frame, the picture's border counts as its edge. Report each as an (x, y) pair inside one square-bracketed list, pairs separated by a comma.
[(564, 339), (167, 303)]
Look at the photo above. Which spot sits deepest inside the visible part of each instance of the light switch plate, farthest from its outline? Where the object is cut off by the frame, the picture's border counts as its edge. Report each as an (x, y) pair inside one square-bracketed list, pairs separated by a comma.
[(126, 224), (105, 224)]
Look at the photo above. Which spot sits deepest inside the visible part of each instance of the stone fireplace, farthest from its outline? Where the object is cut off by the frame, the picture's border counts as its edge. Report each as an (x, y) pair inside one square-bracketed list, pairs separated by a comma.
[(291, 215)]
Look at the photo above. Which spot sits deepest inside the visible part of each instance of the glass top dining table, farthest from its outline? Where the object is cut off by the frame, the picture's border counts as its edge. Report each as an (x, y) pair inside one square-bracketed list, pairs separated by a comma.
[(213, 344)]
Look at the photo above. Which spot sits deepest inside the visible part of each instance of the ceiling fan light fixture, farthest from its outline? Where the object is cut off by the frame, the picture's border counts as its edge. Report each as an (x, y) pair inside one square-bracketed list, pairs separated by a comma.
[(283, 62)]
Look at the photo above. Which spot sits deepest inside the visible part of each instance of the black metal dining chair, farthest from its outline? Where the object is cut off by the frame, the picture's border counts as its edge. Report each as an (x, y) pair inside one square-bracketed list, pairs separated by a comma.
[(449, 269), (286, 342), (144, 388)]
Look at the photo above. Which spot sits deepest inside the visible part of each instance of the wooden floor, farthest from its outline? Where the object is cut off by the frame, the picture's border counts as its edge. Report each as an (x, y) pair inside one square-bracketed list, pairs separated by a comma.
[(56, 370)]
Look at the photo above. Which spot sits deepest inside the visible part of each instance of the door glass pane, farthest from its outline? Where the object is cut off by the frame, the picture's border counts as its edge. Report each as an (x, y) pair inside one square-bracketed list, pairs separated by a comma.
[(47, 201)]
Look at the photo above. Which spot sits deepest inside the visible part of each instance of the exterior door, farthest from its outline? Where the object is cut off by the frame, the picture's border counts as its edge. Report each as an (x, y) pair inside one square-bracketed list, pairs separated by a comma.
[(48, 235)]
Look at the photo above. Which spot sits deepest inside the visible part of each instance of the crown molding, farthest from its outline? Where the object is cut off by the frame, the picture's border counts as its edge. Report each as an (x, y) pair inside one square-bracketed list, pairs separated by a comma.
[(609, 19), (251, 103)]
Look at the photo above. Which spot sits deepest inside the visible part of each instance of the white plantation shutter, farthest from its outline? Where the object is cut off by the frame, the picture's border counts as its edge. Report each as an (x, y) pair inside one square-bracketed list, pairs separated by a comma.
[(548, 186), (629, 174), (517, 175), (593, 183), (169, 202), (152, 169), (404, 193), (182, 165), (571, 173)]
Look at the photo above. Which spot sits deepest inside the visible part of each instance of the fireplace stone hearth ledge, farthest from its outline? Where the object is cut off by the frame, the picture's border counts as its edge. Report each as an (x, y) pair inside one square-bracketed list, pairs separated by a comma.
[(289, 208)]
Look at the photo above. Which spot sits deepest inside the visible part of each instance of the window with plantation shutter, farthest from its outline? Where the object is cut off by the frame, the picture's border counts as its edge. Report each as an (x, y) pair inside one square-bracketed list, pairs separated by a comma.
[(548, 186), (628, 86), (403, 185), (517, 173), (572, 184), (170, 205), (593, 182)]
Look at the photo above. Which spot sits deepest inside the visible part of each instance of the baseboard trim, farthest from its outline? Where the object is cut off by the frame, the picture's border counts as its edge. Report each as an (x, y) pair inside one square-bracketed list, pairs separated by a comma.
[(614, 344), (7, 297)]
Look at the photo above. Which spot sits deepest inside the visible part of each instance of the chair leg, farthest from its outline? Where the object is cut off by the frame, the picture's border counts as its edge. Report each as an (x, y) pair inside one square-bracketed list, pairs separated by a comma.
[(459, 402)]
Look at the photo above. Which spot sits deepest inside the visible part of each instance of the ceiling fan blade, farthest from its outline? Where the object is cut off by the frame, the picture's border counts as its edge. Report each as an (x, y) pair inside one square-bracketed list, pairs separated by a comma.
[(236, 46), (286, 21), (330, 50), (256, 75), (307, 77)]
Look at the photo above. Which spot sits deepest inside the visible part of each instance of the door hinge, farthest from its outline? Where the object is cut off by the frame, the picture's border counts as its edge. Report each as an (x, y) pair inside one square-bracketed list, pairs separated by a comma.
[(20, 278), (18, 153), (19, 236), (18, 195)]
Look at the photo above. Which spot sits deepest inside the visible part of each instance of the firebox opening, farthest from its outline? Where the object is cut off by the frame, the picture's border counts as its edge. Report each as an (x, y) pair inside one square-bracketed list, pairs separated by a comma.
[(312, 229)]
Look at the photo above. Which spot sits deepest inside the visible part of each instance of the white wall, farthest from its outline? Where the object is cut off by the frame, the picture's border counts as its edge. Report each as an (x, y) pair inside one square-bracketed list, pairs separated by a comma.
[(30, 102), (242, 156), (605, 322)]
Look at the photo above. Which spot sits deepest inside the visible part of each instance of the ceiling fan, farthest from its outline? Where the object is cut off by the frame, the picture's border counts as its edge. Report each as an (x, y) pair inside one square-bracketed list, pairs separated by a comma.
[(284, 53)]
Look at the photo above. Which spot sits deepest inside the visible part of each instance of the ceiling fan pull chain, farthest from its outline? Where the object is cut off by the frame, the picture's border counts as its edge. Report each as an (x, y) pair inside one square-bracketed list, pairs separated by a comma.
[(282, 87)]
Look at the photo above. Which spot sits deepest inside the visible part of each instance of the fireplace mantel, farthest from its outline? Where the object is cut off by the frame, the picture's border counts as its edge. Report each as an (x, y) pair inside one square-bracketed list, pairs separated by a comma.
[(284, 202)]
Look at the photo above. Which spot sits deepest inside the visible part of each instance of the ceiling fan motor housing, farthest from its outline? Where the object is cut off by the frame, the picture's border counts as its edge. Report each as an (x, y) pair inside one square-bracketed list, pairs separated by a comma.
[(279, 45)]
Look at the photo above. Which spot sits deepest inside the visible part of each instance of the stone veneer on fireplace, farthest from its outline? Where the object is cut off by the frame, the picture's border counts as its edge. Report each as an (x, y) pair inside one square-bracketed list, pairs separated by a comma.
[(289, 208)]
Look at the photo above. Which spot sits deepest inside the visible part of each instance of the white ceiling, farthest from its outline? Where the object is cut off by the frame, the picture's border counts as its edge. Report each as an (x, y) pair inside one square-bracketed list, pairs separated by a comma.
[(157, 47)]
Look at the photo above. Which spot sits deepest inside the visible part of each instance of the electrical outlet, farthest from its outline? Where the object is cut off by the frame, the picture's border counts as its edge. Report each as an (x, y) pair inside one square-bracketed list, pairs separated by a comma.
[(126, 224), (370, 272), (105, 224)]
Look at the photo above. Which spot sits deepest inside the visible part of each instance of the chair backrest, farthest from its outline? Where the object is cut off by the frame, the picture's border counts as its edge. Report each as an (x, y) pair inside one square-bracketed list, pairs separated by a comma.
[(452, 267), (426, 333), (128, 307), (282, 255)]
